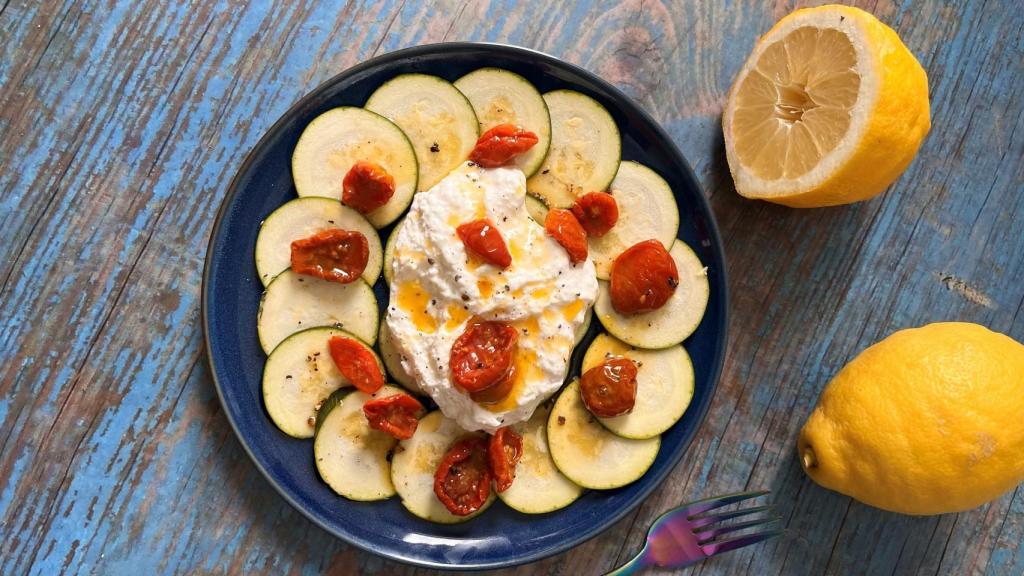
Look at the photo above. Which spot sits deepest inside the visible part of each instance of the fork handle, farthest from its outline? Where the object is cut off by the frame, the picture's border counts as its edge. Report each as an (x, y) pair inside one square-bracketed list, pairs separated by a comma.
[(636, 564)]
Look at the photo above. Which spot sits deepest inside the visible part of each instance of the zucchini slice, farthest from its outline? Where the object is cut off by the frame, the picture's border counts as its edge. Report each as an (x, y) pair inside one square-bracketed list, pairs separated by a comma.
[(301, 218), (587, 452), (337, 139), (298, 376), (437, 118), (294, 302), (538, 486), (581, 331), (536, 209), (502, 97), (393, 360), (647, 209), (414, 464), (673, 322), (664, 386), (584, 153), (389, 253), (351, 457)]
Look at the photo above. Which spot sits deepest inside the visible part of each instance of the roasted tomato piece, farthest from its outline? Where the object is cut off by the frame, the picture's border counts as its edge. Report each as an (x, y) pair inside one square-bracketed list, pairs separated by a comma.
[(597, 213), (334, 254), (485, 242), (397, 415), (609, 389), (356, 363), (499, 145), (504, 451), (643, 278), (482, 360), (497, 392), (462, 482), (367, 186), (566, 230)]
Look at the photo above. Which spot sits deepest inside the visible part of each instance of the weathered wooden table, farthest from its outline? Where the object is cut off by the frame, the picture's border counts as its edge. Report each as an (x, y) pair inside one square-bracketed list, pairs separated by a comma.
[(122, 123)]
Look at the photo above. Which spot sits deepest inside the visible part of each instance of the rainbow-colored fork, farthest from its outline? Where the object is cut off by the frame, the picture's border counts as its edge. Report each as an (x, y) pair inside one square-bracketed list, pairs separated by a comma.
[(692, 533)]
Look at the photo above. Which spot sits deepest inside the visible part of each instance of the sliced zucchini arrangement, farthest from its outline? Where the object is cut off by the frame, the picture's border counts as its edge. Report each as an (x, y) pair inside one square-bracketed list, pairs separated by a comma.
[(412, 468), (337, 139), (298, 378), (436, 117), (664, 386), (502, 97), (393, 360), (590, 454), (304, 217), (294, 302), (351, 457), (317, 328), (537, 210), (647, 209), (673, 322), (584, 153), (539, 486)]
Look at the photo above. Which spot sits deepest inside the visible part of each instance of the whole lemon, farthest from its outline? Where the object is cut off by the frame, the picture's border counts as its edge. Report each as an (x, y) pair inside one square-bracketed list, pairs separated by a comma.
[(929, 420)]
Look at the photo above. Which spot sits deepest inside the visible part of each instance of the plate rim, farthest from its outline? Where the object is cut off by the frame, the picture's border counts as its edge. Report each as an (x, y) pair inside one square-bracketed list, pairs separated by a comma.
[(717, 249)]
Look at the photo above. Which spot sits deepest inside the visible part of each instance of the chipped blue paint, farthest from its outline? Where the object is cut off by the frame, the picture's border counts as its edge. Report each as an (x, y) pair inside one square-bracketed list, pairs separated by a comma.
[(115, 424), (1005, 559), (694, 134), (707, 463), (7, 494)]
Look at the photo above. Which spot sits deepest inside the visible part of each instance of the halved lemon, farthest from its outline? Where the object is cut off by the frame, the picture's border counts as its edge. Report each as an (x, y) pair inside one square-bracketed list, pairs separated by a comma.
[(829, 109)]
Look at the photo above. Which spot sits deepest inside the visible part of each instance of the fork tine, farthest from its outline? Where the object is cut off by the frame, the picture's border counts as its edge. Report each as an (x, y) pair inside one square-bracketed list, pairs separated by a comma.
[(738, 542), (708, 534), (701, 506), (703, 521)]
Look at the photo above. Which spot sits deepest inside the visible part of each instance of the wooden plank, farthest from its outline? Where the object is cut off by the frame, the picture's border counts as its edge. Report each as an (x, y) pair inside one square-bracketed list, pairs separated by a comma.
[(123, 123), (124, 351)]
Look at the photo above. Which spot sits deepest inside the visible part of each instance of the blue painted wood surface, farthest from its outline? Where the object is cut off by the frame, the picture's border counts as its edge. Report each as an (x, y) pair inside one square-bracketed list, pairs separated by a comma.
[(122, 122)]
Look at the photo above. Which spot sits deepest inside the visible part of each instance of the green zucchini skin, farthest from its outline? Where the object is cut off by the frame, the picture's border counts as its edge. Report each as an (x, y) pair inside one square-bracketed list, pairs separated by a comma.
[(665, 383), (351, 457), (604, 462), (340, 137), (417, 103), (498, 97), (538, 487), (301, 218), (293, 302), (585, 150), (675, 320), (647, 209)]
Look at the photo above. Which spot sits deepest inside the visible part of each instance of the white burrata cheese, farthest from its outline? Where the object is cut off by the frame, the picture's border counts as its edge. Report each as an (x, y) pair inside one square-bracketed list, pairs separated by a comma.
[(438, 288)]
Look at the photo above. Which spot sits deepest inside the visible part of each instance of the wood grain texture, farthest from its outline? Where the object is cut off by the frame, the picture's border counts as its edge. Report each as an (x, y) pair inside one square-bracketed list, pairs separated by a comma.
[(122, 122)]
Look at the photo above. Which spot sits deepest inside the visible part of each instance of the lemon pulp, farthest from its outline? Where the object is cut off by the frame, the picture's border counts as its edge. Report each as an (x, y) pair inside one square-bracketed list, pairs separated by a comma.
[(794, 107)]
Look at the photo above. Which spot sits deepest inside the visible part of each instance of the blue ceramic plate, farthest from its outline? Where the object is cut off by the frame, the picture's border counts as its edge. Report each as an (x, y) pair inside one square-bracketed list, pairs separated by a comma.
[(231, 293)]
